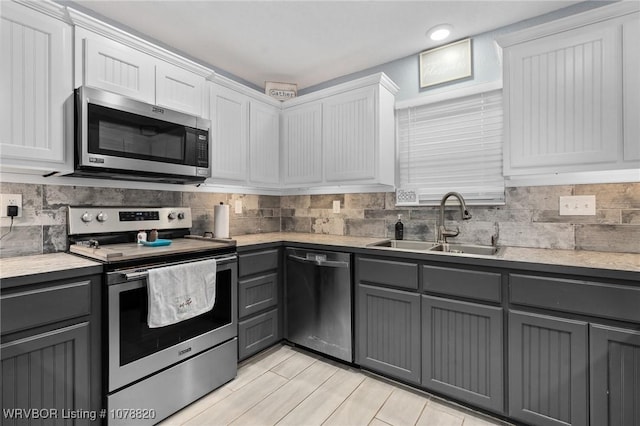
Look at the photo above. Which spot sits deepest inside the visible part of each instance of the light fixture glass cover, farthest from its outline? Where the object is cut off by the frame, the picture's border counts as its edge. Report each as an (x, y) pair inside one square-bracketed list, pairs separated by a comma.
[(439, 32)]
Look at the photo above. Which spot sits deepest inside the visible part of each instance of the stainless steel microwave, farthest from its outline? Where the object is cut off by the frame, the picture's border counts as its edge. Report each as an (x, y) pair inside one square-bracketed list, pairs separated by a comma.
[(121, 138)]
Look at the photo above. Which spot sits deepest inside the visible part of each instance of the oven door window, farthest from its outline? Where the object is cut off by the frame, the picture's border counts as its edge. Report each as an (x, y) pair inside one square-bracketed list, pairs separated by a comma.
[(137, 340), (122, 134)]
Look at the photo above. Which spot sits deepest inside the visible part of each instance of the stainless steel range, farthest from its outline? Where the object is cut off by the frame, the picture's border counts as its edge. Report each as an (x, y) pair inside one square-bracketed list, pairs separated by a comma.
[(154, 371)]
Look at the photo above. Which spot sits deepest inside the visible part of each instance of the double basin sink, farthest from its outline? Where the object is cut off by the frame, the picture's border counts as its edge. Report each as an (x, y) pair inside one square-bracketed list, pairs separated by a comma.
[(450, 248)]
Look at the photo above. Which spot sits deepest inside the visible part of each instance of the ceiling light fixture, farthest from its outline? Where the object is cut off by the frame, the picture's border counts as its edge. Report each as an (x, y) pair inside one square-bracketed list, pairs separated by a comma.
[(439, 32)]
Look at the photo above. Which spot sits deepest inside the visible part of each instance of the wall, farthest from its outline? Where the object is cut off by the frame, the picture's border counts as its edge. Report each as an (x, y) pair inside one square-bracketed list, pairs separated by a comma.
[(43, 226), (529, 218), (487, 60)]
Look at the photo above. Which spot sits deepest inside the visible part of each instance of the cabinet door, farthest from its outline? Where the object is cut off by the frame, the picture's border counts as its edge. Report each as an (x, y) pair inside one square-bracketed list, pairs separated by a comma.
[(256, 294), (462, 351), (229, 114), (179, 89), (35, 80), (349, 137), (118, 68), (264, 144), (47, 371), (564, 101), (615, 376), (302, 144), (547, 370), (389, 332), (631, 88), (257, 333)]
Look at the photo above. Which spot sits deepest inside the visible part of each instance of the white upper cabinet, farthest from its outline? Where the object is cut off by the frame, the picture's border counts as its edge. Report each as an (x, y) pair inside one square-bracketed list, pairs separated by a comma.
[(563, 99), (110, 59), (245, 136), (348, 134), (350, 127), (565, 96), (111, 66), (36, 80), (631, 88), (229, 139), (179, 89), (302, 144), (264, 144)]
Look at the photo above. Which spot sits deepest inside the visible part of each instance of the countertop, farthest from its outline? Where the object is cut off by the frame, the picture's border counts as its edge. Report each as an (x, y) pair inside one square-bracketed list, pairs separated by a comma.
[(13, 267), (575, 258), (56, 262), (297, 237)]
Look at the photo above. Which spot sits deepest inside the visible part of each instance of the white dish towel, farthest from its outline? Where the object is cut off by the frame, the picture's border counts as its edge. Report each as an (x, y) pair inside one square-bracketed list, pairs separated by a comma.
[(180, 292)]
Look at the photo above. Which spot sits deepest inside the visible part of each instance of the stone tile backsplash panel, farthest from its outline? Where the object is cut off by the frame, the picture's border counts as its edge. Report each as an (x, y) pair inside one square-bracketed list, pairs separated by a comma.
[(43, 225), (529, 217)]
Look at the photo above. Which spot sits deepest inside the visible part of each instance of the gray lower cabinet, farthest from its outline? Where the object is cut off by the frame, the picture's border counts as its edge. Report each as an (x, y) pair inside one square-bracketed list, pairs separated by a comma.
[(50, 350), (548, 370), (388, 330), (259, 296), (462, 351), (48, 371), (615, 376), (257, 333)]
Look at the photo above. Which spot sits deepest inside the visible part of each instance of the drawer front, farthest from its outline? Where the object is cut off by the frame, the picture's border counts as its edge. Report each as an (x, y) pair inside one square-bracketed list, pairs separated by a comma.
[(257, 333), (582, 297), (388, 272), (31, 308), (254, 263), (256, 294), (459, 282)]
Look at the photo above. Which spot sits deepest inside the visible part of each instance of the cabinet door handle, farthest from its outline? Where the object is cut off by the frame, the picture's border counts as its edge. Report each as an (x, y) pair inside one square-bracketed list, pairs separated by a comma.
[(320, 262)]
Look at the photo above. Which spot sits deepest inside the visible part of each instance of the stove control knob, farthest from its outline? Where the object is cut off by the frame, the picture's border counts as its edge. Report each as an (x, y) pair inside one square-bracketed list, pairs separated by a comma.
[(102, 217), (172, 216), (180, 215), (86, 217)]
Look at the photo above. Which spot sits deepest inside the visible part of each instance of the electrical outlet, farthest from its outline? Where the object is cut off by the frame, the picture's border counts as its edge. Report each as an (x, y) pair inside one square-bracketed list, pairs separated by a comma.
[(578, 205), (10, 200), (238, 207), (336, 206)]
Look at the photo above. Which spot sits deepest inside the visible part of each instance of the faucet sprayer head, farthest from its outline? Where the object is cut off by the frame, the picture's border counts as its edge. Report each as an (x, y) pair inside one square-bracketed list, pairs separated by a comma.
[(466, 215)]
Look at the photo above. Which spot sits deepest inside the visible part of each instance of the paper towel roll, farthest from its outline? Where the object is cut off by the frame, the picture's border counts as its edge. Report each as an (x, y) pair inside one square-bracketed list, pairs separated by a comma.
[(221, 221)]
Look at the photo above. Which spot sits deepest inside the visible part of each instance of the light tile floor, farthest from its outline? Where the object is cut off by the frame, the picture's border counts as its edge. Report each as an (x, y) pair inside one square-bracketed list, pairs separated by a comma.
[(289, 386)]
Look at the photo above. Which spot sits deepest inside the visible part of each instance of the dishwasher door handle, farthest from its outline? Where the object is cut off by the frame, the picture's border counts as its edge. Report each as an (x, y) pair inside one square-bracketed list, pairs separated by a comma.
[(320, 262)]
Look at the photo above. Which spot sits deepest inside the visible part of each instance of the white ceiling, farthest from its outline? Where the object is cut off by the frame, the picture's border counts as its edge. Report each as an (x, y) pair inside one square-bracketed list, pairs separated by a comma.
[(309, 42)]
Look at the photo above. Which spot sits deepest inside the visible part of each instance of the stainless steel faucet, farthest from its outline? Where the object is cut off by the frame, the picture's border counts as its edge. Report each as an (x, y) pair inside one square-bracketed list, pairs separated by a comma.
[(443, 232)]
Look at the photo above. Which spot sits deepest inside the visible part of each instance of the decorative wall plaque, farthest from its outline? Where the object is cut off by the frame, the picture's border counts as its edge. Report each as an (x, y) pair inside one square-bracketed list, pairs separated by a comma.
[(281, 91), (446, 63)]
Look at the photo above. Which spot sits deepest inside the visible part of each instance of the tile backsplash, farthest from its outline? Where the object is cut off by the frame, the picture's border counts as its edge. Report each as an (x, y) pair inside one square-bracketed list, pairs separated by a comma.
[(43, 225), (528, 219)]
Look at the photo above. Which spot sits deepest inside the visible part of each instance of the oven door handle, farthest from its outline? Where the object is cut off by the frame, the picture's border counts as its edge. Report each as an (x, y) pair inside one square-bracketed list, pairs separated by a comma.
[(143, 273), (136, 275)]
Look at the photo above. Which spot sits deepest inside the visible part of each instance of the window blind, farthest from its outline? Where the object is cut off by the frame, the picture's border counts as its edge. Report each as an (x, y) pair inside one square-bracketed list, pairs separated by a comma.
[(453, 145)]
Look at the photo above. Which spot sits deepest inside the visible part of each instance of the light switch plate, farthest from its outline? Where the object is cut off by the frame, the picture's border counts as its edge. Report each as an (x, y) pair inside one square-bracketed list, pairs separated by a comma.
[(238, 207), (10, 200), (336, 206), (578, 205)]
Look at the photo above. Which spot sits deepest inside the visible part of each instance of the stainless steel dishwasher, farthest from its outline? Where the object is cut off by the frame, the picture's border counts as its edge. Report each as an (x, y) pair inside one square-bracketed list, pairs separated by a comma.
[(318, 301)]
